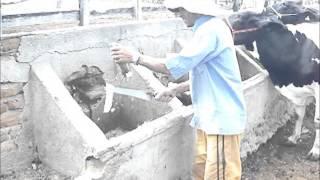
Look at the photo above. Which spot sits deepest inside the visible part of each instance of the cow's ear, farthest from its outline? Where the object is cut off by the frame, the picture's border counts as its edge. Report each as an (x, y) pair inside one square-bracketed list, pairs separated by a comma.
[(249, 46)]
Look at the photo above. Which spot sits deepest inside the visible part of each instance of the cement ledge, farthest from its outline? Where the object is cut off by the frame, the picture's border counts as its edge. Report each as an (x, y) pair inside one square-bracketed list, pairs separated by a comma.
[(60, 126), (144, 132)]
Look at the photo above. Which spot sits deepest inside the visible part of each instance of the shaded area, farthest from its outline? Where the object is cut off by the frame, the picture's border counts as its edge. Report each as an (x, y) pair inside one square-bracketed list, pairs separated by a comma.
[(87, 87), (273, 160), (42, 172)]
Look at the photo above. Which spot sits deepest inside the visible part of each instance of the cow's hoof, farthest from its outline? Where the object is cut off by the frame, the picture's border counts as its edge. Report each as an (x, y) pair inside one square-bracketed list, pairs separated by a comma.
[(290, 141), (314, 154)]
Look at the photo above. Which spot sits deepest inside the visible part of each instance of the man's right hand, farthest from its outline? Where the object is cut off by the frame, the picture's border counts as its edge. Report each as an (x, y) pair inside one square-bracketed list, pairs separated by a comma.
[(121, 54)]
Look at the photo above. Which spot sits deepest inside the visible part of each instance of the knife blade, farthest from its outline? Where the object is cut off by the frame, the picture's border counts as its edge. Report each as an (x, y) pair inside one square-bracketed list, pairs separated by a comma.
[(133, 93), (111, 90)]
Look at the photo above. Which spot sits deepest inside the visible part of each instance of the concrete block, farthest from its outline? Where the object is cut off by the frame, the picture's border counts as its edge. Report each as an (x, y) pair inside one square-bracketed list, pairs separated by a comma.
[(56, 116), (16, 154), (4, 137), (99, 37), (3, 108), (19, 148), (10, 89), (15, 133), (7, 58), (11, 71), (8, 146), (8, 130), (14, 102), (9, 46), (10, 118), (146, 153)]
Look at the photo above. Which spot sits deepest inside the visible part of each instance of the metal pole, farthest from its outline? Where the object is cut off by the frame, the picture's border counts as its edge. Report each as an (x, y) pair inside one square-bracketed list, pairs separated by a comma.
[(138, 10), (84, 12)]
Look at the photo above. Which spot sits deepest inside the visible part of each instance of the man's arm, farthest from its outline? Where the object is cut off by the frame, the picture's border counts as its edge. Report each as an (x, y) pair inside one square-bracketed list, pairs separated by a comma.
[(124, 55), (154, 64), (181, 87), (167, 94)]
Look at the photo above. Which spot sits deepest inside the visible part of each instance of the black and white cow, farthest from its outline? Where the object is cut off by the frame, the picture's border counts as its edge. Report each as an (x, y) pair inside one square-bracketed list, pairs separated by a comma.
[(292, 60)]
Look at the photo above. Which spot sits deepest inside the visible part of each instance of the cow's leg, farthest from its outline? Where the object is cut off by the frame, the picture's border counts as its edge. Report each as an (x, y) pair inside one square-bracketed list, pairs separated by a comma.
[(292, 140), (266, 3), (314, 153), (236, 5)]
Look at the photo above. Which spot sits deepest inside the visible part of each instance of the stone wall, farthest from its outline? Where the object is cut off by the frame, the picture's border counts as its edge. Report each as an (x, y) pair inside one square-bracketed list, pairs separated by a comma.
[(16, 141)]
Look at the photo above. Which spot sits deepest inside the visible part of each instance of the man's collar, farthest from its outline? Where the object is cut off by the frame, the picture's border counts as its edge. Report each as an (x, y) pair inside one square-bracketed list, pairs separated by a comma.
[(201, 20)]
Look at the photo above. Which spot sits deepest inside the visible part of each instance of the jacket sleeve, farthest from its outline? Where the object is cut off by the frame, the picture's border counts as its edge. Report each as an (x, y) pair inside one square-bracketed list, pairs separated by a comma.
[(204, 43)]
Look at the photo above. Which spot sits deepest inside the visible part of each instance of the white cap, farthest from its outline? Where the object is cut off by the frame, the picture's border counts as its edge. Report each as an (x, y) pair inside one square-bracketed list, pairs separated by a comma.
[(205, 7)]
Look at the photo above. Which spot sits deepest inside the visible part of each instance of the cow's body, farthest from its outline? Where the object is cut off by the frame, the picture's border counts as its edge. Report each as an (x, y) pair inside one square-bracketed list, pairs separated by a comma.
[(302, 96), (292, 60)]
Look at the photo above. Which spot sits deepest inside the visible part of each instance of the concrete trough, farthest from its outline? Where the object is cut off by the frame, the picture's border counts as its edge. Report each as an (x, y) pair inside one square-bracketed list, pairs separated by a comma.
[(68, 141), (267, 109), (158, 143), (71, 143)]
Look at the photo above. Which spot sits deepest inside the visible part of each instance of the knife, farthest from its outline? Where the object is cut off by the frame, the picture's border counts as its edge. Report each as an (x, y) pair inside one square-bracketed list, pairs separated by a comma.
[(133, 93), (111, 90)]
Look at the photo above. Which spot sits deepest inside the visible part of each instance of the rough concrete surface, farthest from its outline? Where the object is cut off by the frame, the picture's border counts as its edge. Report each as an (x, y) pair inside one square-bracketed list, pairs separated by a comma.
[(64, 137), (148, 151), (12, 71), (17, 151), (267, 111), (64, 54)]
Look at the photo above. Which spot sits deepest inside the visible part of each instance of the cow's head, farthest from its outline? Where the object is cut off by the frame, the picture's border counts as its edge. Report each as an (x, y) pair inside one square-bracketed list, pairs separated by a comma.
[(292, 12), (246, 26), (86, 85)]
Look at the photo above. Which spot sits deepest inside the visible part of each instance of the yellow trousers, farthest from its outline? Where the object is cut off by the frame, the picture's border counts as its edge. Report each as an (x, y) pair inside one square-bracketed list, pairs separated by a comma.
[(217, 157)]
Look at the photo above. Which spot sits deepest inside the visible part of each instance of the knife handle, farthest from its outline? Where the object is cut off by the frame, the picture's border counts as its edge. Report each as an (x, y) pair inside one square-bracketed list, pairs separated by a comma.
[(124, 69)]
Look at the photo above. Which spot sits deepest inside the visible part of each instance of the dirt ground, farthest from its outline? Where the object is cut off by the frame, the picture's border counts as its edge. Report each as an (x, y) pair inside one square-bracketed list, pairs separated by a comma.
[(272, 161), (41, 173), (275, 161)]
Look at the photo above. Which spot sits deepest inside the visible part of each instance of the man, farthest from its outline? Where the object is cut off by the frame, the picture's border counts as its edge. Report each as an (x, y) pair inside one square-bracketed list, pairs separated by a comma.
[(215, 84)]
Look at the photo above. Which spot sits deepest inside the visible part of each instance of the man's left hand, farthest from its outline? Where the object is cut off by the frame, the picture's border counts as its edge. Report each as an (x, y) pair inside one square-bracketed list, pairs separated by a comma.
[(166, 95)]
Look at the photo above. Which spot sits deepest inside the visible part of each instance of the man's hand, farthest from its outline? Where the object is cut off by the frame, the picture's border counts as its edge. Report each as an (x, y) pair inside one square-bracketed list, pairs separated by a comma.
[(121, 54), (167, 94)]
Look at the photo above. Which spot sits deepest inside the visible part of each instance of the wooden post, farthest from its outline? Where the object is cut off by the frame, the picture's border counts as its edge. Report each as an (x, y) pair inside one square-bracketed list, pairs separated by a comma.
[(0, 23), (84, 12), (138, 10)]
